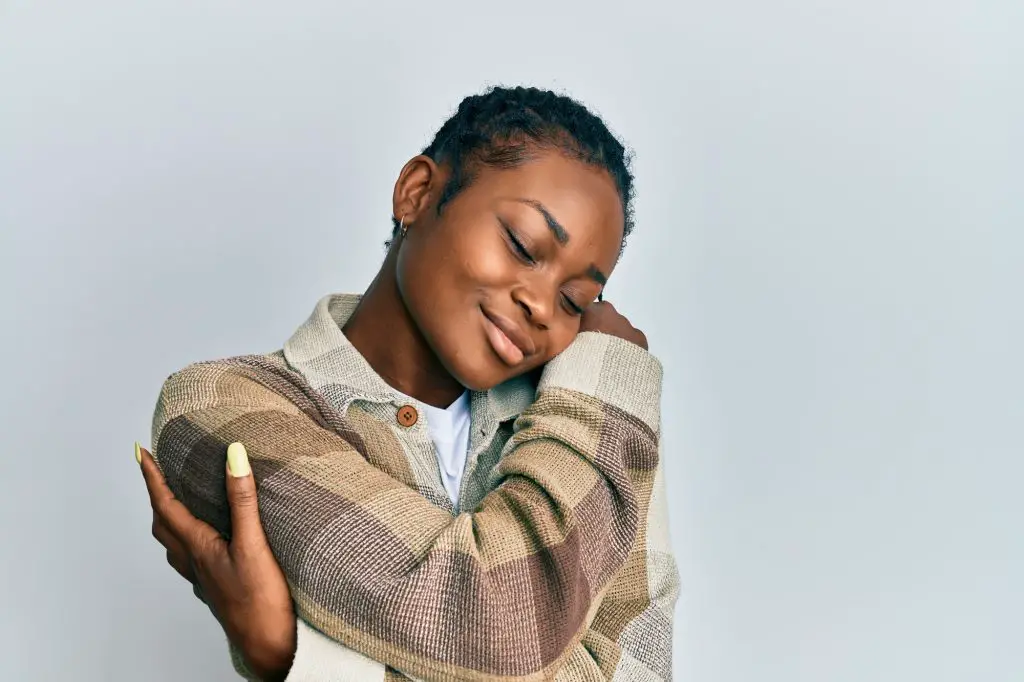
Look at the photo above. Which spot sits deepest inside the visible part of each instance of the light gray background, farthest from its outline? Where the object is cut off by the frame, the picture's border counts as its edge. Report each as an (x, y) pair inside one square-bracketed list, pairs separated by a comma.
[(827, 259)]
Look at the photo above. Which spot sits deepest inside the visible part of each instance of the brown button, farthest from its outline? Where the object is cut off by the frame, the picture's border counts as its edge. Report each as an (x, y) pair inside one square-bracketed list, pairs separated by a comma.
[(407, 415)]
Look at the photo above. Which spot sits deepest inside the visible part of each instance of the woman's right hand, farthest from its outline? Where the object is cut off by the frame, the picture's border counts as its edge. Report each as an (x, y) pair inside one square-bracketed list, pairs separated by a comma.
[(603, 317), (240, 578)]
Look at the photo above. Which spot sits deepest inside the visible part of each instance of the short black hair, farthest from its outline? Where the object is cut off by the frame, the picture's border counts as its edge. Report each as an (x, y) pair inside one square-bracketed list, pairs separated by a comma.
[(501, 126)]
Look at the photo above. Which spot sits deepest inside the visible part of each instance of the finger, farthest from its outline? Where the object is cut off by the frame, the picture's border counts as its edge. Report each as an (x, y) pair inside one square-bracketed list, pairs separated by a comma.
[(155, 482), (173, 514), (246, 529), (177, 555), (182, 565), (165, 536)]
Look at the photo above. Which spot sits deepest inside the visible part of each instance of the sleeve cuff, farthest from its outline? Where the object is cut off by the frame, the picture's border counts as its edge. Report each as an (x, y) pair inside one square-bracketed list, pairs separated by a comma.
[(613, 370)]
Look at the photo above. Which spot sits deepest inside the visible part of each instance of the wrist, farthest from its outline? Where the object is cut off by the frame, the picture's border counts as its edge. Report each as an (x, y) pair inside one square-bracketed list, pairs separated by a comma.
[(270, 658)]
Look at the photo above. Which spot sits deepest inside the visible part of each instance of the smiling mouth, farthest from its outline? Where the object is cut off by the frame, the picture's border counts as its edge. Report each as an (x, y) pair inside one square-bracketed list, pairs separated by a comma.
[(509, 342)]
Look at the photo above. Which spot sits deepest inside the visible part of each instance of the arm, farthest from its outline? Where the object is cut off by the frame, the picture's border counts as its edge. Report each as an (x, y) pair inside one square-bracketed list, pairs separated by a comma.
[(505, 590), (629, 638), (242, 584)]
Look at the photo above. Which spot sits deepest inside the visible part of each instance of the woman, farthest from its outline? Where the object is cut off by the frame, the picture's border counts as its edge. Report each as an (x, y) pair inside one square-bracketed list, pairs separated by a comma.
[(458, 471)]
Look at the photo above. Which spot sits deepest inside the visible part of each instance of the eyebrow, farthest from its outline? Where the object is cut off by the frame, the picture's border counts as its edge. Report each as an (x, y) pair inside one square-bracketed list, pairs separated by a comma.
[(556, 227), (596, 275), (561, 236)]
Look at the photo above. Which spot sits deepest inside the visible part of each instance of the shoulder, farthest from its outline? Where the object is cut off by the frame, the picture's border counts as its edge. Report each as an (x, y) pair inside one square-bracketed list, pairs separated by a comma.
[(208, 382)]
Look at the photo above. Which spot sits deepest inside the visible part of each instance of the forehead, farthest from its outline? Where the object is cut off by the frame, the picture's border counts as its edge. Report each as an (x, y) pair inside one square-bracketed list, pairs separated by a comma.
[(581, 197)]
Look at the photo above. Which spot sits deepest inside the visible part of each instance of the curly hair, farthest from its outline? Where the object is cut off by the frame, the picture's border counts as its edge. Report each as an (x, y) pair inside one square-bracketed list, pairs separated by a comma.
[(504, 127)]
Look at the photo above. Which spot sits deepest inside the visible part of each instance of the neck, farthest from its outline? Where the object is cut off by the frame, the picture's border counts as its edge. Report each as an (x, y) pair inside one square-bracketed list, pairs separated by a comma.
[(384, 333)]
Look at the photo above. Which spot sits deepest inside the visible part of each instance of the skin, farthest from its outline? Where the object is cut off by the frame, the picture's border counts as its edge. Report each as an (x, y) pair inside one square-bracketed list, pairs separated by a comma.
[(428, 299), (526, 249)]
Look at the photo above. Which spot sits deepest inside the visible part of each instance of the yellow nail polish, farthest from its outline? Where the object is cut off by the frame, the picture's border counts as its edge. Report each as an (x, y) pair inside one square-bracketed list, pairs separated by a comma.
[(238, 460), (138, 453)]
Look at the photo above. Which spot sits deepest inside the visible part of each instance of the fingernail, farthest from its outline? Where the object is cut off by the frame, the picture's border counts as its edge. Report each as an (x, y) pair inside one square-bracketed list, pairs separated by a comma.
[(238, 460), (138, 453)]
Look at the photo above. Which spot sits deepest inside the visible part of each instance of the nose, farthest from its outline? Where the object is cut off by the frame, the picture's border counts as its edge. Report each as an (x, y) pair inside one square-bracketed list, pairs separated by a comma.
[(537, 306)]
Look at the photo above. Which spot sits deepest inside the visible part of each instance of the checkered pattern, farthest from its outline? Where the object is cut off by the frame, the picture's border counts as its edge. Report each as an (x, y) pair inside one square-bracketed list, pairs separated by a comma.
[(555, 564)]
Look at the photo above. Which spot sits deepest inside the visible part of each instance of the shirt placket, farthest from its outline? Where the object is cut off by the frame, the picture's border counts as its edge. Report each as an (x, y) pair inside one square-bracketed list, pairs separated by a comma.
[(482, 428), (410, 426)]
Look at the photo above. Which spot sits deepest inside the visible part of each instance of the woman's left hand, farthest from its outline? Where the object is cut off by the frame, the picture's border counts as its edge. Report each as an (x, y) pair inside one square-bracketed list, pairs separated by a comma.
[(240, 578)]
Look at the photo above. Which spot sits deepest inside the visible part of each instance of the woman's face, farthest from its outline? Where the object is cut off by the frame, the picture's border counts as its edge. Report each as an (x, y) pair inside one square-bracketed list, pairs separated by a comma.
[(497, 283)]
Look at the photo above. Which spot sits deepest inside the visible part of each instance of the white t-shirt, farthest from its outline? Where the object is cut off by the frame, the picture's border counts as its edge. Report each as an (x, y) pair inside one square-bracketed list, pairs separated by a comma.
[(449, 429)]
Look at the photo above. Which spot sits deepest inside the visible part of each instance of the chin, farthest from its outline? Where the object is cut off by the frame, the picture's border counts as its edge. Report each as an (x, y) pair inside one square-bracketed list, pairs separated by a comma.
[(478, 376), (472, 361), (473, 365)]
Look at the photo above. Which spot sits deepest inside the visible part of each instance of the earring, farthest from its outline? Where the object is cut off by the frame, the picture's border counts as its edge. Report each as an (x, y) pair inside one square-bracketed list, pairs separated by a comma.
[(402, 227)]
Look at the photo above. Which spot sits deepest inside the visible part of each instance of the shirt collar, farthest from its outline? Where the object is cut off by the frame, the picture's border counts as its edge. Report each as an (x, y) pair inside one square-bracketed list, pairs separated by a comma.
[(324, 356)]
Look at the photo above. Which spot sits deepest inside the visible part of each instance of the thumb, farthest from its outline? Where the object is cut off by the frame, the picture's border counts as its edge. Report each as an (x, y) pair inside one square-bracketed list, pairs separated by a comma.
[(241, 489)]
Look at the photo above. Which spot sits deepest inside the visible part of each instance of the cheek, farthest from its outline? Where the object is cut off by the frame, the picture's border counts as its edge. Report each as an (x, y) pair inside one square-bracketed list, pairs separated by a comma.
[(481, 262), (560, 339)]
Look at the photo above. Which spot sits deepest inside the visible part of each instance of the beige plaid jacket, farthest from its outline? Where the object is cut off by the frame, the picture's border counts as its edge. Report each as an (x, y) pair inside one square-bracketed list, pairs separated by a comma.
[(554, 564)]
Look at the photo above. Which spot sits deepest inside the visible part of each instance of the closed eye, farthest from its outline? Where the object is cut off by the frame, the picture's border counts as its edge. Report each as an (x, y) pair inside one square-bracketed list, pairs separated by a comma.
[(517, 245), (571, 305)]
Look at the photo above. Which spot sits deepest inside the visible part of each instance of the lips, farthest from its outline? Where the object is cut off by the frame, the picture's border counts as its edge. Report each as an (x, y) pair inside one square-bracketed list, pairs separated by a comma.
[(509, 340)]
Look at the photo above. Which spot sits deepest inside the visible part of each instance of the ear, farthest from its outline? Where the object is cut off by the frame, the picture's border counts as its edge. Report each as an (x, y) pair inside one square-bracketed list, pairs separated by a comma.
[(417, 189)]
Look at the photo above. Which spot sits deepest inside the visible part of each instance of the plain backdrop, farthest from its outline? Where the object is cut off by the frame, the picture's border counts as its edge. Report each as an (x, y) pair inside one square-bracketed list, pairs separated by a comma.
[(827, 259)]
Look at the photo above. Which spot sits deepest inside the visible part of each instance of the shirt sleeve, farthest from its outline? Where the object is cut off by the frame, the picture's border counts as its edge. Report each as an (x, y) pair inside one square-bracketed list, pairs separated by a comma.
[(631, 635), (505, 590)]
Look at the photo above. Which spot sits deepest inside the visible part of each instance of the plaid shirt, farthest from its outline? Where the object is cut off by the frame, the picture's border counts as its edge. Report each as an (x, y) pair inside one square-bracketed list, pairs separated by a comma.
[(554, 564)]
